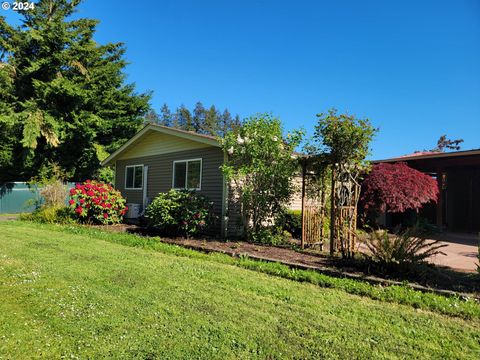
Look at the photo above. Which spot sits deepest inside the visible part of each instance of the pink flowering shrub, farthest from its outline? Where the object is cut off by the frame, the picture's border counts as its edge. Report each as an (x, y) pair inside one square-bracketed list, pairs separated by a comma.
[(97, 202)]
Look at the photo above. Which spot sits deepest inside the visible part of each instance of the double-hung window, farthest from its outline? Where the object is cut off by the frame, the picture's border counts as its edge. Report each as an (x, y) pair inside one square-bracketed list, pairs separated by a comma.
[(133, 177), (187, 174)]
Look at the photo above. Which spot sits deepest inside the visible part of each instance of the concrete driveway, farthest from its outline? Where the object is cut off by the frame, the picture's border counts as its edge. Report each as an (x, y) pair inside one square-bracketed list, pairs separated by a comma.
[(460, 253)]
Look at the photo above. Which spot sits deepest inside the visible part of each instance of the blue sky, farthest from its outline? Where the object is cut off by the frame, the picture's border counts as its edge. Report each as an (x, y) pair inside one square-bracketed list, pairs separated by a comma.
[(412, 67)]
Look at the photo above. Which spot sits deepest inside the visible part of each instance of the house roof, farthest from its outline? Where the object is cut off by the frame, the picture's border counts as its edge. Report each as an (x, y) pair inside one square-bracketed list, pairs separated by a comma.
[(433, 162), (184, 134), (430, 155)]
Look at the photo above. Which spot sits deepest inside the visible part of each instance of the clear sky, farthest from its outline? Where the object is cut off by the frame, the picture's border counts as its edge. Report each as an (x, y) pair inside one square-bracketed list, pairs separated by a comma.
[(412, 67)]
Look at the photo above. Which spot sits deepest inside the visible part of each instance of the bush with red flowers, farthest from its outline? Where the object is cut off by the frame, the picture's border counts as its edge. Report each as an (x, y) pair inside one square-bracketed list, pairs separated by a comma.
[(97, 202)]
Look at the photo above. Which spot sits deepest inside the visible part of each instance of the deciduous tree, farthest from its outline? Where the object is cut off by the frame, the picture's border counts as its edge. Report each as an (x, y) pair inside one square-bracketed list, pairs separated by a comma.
[(341, 139), (261, 167), (397, 188)]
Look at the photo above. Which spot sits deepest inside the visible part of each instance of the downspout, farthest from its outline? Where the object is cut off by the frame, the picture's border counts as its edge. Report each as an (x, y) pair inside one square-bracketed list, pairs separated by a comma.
[(225, 195)]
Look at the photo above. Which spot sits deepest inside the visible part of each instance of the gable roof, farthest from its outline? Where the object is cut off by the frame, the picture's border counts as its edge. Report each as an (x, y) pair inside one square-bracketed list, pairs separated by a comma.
[(184, 134)]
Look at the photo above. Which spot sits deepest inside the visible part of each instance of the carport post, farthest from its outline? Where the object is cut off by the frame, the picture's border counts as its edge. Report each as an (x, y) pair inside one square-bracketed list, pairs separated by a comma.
[(439, 208)]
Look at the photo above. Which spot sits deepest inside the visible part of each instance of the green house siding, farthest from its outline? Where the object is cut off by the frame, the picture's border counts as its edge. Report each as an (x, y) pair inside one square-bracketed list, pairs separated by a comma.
[(160, 172)]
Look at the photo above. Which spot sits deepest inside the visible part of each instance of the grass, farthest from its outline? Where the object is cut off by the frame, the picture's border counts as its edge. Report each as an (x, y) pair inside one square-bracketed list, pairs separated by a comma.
[(80, 293), (453, 306)]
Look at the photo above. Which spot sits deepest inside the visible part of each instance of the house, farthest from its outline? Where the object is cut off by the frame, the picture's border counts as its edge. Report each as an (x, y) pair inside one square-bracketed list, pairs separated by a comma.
[(458, 177), (160, 158)]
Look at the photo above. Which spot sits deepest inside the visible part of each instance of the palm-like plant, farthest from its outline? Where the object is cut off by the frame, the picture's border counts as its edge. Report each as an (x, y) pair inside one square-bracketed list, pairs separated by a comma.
[(407, 247)]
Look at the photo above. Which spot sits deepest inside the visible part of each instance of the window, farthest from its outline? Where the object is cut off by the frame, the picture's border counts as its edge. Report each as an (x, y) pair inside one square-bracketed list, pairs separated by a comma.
[(134, 177), (187, 174)]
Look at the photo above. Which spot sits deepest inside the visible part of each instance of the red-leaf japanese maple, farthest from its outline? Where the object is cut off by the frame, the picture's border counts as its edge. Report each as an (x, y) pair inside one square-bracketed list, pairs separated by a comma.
[(396, 188)]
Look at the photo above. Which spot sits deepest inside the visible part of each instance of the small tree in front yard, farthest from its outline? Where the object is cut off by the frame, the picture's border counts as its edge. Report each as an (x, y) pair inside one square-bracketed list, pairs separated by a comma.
[(344, 141), (396, 188), (260, 167)]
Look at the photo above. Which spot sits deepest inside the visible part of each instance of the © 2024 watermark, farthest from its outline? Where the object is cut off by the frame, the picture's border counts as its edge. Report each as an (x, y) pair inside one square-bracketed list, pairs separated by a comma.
[(18, 6)]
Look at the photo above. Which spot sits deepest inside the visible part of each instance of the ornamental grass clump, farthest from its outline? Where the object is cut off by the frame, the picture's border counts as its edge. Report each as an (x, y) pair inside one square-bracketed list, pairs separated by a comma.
[(96, 202)]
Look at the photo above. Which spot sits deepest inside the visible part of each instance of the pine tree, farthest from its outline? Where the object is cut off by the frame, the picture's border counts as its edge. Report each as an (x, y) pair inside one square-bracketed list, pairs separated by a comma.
[(63, 95), (224, 122), (151, 117), (211, 121), (204, 121), (236, 123), (444, 143), (198, 119), (165, 116), (184, 118)]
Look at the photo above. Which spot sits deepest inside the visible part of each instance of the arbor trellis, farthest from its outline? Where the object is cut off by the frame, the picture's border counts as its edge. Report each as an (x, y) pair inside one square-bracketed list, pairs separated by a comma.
[(314, 201), (316, 194), (340, 147), (347, 194)]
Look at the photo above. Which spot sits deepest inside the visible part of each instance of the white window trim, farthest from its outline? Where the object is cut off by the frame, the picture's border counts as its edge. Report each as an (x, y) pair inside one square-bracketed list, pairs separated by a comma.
[(133, 166), (186, 173)]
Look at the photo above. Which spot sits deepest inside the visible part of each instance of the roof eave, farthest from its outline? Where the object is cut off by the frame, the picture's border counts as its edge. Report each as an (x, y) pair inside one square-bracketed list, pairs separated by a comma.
[(430, 156)]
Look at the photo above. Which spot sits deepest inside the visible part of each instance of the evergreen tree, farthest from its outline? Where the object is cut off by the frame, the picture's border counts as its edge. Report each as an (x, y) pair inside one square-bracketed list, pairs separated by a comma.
[(152, 117), (203, 121), (198, 120), (63, 96), (225, 119), (184, 118), (444, 143), (236, 123), (165, 116), (211, 121)]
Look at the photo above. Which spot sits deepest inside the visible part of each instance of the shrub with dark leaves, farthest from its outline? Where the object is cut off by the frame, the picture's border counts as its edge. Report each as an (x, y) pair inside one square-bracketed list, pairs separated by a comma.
[(180, 213), (396, 188)]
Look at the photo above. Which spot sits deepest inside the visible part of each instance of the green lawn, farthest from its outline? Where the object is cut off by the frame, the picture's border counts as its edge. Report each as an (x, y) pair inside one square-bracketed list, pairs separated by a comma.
[(75, 295)]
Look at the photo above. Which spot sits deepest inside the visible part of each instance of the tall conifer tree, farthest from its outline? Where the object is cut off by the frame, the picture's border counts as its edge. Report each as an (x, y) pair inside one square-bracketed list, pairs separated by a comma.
[(63, 96)]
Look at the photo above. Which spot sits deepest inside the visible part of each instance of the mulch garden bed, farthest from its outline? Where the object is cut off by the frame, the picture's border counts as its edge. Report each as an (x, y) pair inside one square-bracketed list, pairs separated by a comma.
[(439, 279)]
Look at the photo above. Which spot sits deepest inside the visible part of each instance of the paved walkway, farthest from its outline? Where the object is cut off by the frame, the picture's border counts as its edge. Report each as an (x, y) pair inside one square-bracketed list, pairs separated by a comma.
[(460, 253), (6, 217)]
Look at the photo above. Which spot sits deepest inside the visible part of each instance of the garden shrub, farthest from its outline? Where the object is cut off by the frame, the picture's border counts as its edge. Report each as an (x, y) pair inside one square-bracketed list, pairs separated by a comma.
[(180, 213), (54, 194), (291, 221), (97, 202), (408, 247), (271, 236), (56, 214)]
